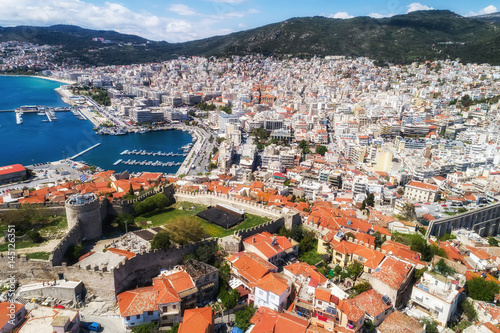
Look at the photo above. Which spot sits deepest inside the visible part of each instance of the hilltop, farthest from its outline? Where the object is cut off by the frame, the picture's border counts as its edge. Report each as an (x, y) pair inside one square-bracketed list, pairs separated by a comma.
[(417, 36)]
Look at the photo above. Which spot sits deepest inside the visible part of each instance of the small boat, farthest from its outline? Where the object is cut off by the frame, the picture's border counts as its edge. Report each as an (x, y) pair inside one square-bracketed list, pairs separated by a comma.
[(19, 118)]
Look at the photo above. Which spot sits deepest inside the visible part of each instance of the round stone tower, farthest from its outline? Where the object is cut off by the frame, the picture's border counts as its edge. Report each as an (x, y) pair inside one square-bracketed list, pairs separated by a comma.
[(85, 210)]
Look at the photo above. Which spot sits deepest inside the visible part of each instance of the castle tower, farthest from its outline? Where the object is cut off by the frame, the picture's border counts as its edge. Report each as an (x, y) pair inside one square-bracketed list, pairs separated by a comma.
[(85, 209)]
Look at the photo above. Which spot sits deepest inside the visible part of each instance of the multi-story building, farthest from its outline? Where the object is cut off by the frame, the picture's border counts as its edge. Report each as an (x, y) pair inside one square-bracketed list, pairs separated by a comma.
[(437, 295), (391, 278), (421, 192), (273, 291)]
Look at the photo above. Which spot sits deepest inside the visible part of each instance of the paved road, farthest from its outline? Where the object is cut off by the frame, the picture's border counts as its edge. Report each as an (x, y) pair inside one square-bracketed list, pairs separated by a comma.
[(109, 324)]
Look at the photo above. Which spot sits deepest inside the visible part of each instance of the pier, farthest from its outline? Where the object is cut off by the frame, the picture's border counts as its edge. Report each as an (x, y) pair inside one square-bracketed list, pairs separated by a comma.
[(148, 163), (84, 151), (151, 153)]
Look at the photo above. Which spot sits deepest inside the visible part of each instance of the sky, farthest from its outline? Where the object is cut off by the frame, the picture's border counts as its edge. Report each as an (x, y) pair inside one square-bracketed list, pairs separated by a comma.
[(180, 21)]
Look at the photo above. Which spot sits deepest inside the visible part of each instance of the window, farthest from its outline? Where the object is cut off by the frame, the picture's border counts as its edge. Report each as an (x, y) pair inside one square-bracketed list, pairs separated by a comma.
[(150, 313), (174, 306), (128, 317), (319, 302), (138, 317)]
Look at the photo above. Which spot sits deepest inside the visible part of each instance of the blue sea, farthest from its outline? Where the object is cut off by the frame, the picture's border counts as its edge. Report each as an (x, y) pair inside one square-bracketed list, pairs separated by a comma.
[(37, 140)]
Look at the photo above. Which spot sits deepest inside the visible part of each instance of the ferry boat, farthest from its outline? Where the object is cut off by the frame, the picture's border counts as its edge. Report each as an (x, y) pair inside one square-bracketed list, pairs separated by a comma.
[(19, 118)]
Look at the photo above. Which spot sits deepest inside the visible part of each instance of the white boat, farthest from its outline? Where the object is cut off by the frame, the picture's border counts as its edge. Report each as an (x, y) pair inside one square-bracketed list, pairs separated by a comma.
[(19, 118)]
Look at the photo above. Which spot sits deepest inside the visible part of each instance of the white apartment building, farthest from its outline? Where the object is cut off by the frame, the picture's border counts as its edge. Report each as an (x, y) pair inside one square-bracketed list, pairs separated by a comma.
[(436, 295), (420, 192), (273, 291)]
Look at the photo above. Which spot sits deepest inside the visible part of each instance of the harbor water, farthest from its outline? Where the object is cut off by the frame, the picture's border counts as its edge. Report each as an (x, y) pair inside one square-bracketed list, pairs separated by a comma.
[(37, 140)]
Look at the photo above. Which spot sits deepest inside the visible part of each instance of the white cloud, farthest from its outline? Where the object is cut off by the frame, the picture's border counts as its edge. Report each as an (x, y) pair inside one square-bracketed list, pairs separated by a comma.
[(114, 16), (340, 15), (181, 9), (378, 15), (417, 6), (486, 10)]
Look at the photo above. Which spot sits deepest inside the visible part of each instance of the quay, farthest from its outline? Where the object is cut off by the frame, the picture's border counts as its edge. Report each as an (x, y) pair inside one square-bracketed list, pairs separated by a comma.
[(151, 153), (84, 151)]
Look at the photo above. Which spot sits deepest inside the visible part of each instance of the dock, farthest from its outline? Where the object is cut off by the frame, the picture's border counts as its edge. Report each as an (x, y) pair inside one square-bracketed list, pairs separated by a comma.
[(151, 153), (84, 151), (148, 163)]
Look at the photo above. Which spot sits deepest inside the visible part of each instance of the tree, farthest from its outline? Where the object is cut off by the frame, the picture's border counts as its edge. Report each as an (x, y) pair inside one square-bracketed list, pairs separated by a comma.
[(146, 328), (420, 272), (362, 287), (482, 290), (224, 273), (321, 150), (242, 317), (350, 235), (157, 201), (130, 189), (284, 232), (35, 237), (492, 241), (370, 200), (161, 241), (185, 230), (229, 299), (444, 269), (409, 211), (206, 254), (431, 325), (354, 269), (296, 233), (124, 221), (303, 144), (468, 309)]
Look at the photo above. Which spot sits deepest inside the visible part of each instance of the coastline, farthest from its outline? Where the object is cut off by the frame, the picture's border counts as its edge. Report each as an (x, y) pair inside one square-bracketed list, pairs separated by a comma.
[(65, 81)]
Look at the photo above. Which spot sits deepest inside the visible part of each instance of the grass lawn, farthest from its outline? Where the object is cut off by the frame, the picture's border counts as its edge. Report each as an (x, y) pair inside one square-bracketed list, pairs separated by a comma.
[(166, 215), (19, 245), (56, 224), (311, 257), (38, 255)]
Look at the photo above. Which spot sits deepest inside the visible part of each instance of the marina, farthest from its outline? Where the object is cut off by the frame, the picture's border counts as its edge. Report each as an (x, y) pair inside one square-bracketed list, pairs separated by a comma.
[(147, 163), (151, 153)]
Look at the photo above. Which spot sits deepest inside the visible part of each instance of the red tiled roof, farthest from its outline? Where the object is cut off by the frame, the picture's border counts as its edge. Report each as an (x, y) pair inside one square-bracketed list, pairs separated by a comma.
[(371, 302), (8, 169), (197, 320), (398, 322), (392, 272)]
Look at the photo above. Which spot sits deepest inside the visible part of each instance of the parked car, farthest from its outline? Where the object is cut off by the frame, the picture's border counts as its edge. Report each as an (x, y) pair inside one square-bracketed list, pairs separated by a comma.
[(93, 326)]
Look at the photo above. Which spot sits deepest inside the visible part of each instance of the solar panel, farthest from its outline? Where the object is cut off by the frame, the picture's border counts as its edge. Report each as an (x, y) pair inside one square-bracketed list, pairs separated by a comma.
[(386, 300), (377, 269), (331, 310)]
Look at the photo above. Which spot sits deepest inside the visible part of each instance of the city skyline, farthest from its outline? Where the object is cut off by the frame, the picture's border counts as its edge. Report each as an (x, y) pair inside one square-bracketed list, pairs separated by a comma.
[(177, 21)]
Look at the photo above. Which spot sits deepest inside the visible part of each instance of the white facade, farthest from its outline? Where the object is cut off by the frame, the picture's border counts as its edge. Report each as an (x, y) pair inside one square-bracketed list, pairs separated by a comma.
[(437, 295), (146, 317), (271, 300)]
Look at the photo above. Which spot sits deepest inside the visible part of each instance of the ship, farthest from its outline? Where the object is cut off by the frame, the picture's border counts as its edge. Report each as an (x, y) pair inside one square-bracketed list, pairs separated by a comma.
[(19, 118)]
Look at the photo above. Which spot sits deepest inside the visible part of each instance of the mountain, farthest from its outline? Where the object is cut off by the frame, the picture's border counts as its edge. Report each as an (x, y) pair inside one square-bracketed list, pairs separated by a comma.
[(416, 36), (493, 17)]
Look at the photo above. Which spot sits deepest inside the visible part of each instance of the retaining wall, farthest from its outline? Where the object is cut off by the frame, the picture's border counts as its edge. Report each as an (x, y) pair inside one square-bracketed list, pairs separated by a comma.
[(212, 199)]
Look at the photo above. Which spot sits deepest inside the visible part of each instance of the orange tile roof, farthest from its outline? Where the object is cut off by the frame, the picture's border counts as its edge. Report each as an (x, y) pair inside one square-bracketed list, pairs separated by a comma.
[(392, 272), (136, 302), (121, 252), (269, 321), (306, 270), (398, 322), (197, 320), (322, 294), (252, 267), (423, 186), (180, 281), (5, 311), (273, 282), (371, 302)]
